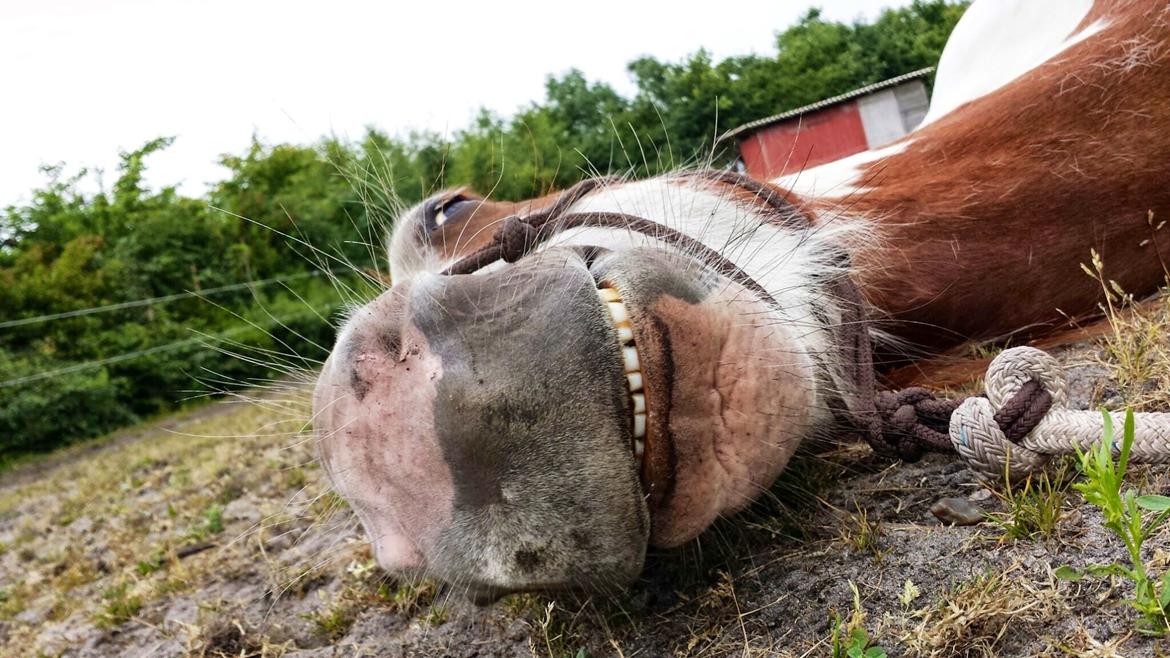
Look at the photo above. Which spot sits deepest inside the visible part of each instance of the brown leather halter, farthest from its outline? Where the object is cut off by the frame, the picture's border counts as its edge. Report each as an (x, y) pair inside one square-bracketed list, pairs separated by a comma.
[(519, 235), (902, 424)]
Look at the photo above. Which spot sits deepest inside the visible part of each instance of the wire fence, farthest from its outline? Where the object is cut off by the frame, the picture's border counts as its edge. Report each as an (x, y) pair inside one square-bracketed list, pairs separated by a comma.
[(158, 349), (168, 347), (150, 301)]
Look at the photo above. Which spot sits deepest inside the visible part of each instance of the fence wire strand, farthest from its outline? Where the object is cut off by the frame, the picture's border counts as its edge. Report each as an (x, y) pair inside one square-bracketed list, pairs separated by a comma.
[(168, 347), (151, 300)]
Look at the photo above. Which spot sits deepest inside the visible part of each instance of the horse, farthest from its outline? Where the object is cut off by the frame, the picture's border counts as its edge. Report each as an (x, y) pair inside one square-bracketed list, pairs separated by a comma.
[(551, 386)]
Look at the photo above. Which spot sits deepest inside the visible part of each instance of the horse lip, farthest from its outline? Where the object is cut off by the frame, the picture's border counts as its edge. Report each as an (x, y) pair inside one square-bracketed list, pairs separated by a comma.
[(657, 463)]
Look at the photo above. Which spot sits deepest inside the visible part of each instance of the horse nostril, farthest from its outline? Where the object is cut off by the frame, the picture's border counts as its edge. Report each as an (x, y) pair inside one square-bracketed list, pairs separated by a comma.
[(373, 335), (395, 551)]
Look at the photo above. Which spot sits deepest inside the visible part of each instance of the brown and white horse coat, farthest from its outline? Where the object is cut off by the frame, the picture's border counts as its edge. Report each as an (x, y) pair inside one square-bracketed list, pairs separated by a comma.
[(1049, 135)]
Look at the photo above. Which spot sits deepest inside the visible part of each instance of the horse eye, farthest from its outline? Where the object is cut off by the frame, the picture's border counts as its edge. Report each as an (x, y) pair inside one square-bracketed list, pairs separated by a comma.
[(439, 211)]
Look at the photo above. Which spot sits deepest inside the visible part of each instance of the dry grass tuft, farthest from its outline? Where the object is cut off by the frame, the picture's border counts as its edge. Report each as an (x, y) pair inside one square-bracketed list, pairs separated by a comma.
[(1082, 644), (863, 533), (972, 619), (223, 633), (1137, 348)]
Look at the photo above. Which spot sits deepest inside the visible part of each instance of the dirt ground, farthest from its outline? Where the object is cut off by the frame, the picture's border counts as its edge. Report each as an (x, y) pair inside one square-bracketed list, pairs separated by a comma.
[(212, 534)]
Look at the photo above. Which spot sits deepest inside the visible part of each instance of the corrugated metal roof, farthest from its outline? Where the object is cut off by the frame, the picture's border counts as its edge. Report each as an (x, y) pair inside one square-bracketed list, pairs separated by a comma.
[(862, 91)]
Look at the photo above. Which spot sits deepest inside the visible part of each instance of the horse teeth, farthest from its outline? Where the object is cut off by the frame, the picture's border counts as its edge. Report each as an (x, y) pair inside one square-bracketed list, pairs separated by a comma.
[(618, 311), (630, 359), (631, 363), (625, 334)]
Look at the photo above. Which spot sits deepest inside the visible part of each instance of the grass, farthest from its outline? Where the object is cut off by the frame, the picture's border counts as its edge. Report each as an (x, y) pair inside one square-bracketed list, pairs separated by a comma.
[(557, 634), (973, 617), (1034, 509), (1137, 346), (848, 637), (862, 533), (120, 605), (111, 515), (1132, 518), (369, 588), (150, 565), (333, 621), (13, 599), (209, 523)]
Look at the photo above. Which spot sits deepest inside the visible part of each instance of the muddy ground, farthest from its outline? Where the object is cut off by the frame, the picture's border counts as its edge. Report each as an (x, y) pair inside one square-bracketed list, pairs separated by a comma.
[(211, 534)]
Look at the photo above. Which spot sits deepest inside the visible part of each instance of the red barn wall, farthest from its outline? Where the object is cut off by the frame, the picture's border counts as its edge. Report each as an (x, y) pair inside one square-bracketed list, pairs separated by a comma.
[(805, 141)]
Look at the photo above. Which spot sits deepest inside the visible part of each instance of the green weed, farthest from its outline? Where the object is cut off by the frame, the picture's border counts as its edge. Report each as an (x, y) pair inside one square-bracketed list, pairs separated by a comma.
[(120, 606), (13, 599), (213, 519), (436, 616), (150, 565), (853, 643), (1125, 517), (334, 621), (1033, 510), (409, 598), (848, 638)]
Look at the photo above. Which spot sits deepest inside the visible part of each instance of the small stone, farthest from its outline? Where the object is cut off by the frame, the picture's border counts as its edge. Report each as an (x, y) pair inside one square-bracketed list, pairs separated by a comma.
[(957, 511), (980, 495)]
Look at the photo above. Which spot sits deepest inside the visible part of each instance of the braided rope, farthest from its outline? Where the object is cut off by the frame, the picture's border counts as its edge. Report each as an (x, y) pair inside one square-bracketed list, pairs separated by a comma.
[(978, 435)]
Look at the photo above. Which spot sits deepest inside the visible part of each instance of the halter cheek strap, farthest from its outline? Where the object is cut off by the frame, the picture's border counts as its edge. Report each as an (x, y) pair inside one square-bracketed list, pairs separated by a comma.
[(519, 236)]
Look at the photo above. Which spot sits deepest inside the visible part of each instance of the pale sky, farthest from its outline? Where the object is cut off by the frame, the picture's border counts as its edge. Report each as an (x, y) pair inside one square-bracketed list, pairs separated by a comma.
[(83, 79)]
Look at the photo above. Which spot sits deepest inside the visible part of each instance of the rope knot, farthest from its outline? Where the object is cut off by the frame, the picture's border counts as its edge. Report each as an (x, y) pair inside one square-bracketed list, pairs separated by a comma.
[(913, 420), (1023, 385), (516, 238)]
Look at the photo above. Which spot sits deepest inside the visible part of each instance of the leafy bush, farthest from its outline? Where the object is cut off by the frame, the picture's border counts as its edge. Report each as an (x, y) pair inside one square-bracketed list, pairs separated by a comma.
[(49, 413)]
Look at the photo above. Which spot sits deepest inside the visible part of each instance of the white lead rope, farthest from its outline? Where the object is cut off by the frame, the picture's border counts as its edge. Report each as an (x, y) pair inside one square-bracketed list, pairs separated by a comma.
[(979, 439)]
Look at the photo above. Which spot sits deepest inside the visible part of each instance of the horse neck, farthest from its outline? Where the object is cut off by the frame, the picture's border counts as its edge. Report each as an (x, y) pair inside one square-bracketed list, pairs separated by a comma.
[(1009, 191)]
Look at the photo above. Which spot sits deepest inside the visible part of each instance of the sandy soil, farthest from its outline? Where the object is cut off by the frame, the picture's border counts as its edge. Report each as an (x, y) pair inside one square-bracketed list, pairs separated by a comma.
[(211, 534)]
